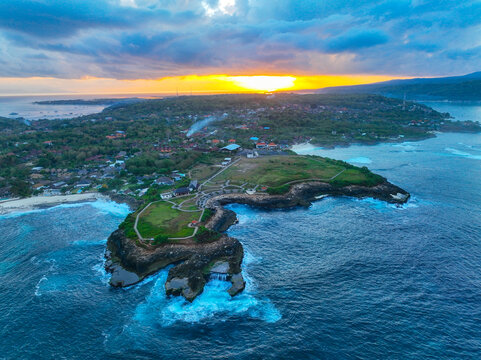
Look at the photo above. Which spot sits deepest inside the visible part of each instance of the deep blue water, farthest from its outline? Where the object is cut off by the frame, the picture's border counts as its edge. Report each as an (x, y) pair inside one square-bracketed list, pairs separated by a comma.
[(344, 279)]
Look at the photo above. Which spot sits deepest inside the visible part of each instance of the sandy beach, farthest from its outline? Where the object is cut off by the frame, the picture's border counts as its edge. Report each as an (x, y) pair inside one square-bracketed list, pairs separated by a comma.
[(37, 202)]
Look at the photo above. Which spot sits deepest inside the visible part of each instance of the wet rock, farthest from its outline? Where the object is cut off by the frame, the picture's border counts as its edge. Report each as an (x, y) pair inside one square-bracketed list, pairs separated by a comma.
[(121, 277), (220, 267), (238, 284)]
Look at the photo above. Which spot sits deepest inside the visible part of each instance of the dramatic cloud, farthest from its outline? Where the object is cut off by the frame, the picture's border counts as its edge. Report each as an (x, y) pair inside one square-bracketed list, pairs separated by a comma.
[(128, 39)]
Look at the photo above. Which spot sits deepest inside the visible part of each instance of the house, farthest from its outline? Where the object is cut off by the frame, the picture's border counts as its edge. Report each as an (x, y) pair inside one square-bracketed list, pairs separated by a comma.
[(261, 145), (143, 191), (231, 147), (231, 141), (176, 177), (181, 191), (254, 138), (166, 196), (83, 184), (164, 180), (228, 159), (194, 184), (215, 141), (272, 145), (51, 192), (40, 185)]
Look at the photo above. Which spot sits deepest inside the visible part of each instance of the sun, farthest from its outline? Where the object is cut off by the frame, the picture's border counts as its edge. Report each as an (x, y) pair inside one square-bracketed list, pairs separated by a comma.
[(263, 83)]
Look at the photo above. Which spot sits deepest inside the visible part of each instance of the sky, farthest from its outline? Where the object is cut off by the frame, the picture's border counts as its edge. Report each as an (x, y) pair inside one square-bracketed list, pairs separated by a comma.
[(115, 46)]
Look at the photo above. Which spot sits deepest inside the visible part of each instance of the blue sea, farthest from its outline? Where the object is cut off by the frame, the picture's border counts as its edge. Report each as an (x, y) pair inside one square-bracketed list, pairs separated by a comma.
[(24, 106), (343, 279)]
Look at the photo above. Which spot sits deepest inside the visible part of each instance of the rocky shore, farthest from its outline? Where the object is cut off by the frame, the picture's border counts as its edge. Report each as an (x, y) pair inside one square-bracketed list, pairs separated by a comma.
[(194, 264)]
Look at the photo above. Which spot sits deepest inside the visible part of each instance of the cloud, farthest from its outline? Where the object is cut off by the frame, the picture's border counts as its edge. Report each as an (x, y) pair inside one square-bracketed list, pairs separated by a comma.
[(355, 39), (127, 39), (64, 18)]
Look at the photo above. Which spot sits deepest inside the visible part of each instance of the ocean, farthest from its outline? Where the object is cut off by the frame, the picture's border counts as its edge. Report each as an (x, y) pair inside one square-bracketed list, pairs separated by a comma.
[(24, 106), (343, 279)]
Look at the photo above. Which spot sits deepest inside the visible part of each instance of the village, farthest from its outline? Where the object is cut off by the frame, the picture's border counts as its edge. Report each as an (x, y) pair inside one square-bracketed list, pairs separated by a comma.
[(111, 152)]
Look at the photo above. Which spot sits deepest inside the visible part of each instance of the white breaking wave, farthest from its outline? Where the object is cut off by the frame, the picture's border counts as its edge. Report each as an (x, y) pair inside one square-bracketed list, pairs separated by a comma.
[(463, 154), (214, 302), (360, 160)]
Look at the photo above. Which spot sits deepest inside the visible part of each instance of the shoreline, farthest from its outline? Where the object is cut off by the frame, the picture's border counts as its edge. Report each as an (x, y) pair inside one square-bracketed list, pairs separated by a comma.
[(303, 145), (20, 205)]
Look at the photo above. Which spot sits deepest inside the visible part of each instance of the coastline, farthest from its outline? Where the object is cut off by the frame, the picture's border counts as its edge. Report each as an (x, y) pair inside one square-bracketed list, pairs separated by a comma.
[(42, 202), (309, 145), (194, 263)]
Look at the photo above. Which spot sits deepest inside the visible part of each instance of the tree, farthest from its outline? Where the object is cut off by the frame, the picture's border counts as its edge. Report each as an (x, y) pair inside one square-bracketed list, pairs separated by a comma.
[(20, 188)]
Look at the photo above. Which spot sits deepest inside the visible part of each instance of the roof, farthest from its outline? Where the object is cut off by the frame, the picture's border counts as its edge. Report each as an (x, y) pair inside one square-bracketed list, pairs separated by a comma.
[(254, 138), (231, 147), (181, 190)]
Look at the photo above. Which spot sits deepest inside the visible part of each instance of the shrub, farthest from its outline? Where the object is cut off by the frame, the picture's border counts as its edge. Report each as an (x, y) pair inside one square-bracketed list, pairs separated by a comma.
[(205, 235), (128, 226), (208, 213), (160, 239)]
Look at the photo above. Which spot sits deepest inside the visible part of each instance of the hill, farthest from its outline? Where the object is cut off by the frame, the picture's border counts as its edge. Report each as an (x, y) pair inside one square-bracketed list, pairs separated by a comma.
[(458, 88)]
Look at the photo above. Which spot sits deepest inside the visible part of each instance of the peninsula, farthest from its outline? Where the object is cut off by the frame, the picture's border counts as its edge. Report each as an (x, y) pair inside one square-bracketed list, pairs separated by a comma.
[(186, 227)]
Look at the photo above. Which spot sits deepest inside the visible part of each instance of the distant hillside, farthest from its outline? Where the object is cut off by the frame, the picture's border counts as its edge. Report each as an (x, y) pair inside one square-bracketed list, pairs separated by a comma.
[(467, 87)]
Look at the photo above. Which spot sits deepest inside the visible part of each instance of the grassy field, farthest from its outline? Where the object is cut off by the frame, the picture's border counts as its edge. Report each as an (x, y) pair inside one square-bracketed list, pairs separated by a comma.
[(160, 218), (278, 170), (202, 172)]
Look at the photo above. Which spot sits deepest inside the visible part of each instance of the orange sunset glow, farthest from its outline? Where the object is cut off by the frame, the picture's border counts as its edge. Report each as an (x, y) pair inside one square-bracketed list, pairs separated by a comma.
[(183, 85)]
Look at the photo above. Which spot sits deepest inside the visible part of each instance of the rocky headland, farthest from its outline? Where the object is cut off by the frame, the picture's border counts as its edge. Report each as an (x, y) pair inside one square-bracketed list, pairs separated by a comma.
[(193, 263)]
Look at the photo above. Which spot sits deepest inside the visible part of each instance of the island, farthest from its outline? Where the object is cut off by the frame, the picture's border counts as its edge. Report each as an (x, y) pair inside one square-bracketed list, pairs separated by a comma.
[(186, 227)]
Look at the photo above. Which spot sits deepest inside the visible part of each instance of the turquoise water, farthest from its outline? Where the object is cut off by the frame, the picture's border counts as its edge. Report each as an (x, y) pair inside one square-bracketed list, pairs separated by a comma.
[(344, 279)]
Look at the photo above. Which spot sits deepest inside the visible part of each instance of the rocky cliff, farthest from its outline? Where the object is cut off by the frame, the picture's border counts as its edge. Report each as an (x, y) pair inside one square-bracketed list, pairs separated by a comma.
[(129, 262), (194, 263)]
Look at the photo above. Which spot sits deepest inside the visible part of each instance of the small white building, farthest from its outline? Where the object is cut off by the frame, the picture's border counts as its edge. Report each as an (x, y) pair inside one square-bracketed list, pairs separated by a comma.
[(166, 196)]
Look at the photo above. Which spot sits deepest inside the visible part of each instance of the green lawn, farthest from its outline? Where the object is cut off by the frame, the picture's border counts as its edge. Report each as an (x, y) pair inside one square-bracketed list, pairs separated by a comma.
[(160, 218)]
